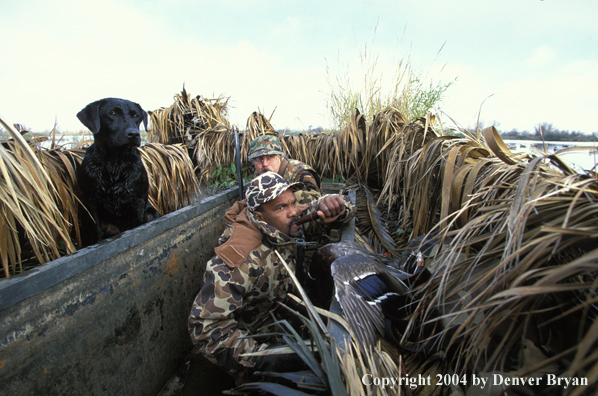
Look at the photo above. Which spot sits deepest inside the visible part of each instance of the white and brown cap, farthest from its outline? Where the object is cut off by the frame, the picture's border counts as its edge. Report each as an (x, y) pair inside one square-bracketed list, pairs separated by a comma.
[(266, 187)]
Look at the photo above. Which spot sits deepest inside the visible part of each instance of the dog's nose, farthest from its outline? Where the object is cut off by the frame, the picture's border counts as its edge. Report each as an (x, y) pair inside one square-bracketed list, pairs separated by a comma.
[(133, 133)]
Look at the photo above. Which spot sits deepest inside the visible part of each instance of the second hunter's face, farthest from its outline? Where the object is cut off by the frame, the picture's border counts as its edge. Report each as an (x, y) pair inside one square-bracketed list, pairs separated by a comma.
[(266, 163)]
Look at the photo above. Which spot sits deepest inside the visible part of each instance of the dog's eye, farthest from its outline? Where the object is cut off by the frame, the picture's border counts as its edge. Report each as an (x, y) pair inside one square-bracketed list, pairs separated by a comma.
[(135, 116), (113, 113)]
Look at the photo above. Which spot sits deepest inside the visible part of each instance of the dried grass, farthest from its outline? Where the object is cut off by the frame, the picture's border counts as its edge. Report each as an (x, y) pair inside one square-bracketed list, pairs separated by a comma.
[(33, 198), (38, 196)]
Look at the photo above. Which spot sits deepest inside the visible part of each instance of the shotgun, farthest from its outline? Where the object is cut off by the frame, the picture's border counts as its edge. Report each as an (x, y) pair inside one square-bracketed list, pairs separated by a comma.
[(238, 158)]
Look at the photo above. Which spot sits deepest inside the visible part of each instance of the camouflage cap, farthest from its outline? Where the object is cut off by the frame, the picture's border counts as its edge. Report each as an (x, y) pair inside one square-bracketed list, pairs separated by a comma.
[(266, 187), (265, 145)]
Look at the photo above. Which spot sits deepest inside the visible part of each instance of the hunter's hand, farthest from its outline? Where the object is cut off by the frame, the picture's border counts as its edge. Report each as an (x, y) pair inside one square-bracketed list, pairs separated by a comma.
[(330, 208)]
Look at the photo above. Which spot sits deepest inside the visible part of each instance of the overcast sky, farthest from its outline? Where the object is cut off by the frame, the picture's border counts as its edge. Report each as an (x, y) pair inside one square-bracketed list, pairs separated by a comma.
[(527, 61)]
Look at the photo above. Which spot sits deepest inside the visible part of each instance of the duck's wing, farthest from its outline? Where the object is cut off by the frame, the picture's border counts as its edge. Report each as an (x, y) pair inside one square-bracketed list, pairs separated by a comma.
[(359, 289)]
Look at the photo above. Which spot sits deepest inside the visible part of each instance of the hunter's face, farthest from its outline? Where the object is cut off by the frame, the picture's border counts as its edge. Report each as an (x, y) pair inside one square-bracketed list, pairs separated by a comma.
[(281, 213), (266, 163)]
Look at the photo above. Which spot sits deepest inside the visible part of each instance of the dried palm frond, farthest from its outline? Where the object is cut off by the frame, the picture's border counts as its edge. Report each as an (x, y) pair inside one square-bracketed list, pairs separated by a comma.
[(369, 224), (213, 148), (61, 166), (514, 221), (386, 127), (359, 151), (172, 180), (186, 117), (202, 125), (519, 272), (29, 200), (257, 125), (430, 182)]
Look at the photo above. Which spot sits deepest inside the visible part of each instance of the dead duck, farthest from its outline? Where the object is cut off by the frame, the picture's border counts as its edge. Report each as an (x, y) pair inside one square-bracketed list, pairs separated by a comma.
[(372, 294)]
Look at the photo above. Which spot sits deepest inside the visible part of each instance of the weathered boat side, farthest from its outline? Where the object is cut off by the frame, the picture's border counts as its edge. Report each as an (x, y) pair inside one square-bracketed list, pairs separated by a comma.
[(111, 318)]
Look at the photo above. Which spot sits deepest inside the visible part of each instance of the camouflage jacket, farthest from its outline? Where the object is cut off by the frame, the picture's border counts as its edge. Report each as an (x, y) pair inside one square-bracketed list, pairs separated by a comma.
[(295, 171), (237, 300)]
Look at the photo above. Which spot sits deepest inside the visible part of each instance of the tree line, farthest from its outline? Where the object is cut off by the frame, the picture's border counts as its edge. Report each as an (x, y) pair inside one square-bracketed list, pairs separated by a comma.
[(546, 131)]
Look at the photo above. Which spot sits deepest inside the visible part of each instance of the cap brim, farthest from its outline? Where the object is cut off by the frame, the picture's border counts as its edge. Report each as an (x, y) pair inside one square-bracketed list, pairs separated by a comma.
[(259, 153), (296, 186)]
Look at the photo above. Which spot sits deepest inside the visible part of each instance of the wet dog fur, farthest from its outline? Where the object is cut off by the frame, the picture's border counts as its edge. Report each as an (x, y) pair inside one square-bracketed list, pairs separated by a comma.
[(112, 181)]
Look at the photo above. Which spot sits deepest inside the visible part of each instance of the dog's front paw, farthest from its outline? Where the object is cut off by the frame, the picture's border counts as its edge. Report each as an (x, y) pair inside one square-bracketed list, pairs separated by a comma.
[(150, 214), (109, 229)]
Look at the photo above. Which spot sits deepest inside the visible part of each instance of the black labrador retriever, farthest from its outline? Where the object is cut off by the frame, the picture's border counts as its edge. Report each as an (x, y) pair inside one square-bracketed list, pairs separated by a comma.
[(112, 180)]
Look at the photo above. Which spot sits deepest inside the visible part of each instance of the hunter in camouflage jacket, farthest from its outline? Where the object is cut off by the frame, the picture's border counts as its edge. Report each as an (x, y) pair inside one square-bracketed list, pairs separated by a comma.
[(291, 170), (243, 284)]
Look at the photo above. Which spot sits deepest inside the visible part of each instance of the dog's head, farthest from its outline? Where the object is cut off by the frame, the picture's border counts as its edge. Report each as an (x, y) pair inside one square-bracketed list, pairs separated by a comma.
[(114, 122)]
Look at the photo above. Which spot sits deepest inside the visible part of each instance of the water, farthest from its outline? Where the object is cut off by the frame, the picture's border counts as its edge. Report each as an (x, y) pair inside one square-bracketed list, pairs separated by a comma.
[(64, 141), (580, 160), (71, 141)]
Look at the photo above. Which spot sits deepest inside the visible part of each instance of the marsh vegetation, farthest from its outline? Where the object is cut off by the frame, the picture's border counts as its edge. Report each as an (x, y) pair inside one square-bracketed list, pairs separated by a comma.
[(514, 275)]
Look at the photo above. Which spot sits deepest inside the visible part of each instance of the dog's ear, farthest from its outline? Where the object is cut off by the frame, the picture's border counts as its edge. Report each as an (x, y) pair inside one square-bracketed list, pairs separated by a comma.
[(144, 115), (90, 116)]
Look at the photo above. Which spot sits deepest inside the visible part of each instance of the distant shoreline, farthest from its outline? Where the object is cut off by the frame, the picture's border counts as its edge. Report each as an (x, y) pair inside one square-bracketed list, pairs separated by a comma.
[(535, 139)]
